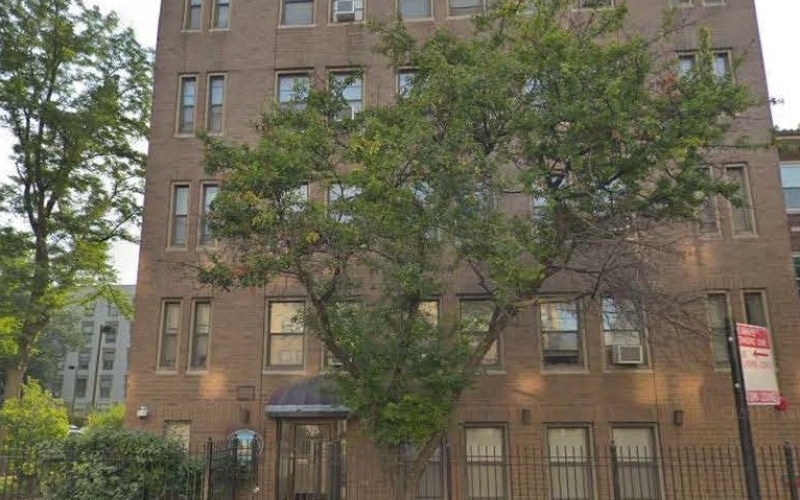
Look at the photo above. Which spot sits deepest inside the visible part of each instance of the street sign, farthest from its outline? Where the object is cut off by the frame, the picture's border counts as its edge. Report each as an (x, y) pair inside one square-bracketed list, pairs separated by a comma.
[(758, 365)]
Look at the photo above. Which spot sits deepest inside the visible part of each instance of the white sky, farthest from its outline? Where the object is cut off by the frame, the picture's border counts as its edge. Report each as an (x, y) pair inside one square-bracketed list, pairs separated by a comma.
[(778, 22)]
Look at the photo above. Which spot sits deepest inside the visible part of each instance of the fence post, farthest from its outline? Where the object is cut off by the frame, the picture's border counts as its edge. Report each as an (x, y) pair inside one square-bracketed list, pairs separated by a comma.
[(235, 455), (207, 469), (791, 473), (614, 476), (448, 469)]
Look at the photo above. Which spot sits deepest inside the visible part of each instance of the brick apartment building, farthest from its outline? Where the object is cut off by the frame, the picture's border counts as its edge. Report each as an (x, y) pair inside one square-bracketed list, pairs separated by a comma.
[(207, 364), (789, 153)]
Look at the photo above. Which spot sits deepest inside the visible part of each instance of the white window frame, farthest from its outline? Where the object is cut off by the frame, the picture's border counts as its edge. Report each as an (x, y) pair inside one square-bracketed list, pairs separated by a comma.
[(291, 76), (626, 459), (747, 201), (718, 335), (784, 187), (212, 77), (343, 75), (556, 367), (283, 24), (268, 365), (215, 14), (711, 205), (477, 458), (478, 335), (187, 14), (204, 236), (570, 460), (430, 11), (478, 9), (640, 329), (180, 129), (174, 215), (162, 333), (194, 334)]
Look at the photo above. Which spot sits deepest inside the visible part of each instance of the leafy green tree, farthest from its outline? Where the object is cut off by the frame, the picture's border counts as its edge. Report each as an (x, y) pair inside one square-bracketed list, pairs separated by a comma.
[(33, 420), (119, 464), (110, 419), (75, 95), (537, 156)]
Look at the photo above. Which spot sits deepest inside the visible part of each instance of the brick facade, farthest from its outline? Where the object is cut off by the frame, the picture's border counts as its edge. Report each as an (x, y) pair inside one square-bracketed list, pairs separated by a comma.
[(682, 378)]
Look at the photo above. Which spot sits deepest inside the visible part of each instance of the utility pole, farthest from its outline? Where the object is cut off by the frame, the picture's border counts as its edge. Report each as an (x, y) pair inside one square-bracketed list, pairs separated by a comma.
[(742, 414)]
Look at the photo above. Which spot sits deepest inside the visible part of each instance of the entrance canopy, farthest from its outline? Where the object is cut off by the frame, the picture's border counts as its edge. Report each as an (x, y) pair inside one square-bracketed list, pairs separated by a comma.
[(311, 398)]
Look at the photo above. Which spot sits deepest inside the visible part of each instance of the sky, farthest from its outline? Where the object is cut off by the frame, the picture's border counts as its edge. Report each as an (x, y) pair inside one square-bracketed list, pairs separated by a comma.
[(778, 21)]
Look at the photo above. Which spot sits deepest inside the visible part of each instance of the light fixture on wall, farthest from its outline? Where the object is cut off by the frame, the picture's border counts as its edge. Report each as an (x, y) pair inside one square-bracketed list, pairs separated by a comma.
[(142, 412), (677, 417)]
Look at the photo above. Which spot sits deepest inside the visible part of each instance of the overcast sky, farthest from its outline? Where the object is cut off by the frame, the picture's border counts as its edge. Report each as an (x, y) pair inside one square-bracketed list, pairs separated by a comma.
[(778, 21)]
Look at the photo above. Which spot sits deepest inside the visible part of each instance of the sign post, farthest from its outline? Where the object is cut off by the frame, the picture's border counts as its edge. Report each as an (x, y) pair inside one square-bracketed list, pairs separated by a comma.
[(758, 365)]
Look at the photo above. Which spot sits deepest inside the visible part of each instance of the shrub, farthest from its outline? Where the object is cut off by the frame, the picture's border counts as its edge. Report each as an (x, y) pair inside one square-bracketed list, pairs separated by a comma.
[(112, 418), (34, 419), (119, 464)]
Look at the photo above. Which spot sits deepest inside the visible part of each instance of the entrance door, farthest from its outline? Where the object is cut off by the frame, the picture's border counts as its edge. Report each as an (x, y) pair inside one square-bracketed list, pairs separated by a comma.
[(309, 461)]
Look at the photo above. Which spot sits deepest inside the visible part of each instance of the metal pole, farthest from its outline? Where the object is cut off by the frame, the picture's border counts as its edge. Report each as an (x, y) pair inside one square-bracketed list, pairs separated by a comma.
[(791, 472), (74, 369), (742, 415)]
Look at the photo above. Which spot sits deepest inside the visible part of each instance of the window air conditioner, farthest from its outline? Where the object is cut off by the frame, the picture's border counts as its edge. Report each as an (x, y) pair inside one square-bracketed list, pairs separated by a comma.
[(627, 354), (344, 10)]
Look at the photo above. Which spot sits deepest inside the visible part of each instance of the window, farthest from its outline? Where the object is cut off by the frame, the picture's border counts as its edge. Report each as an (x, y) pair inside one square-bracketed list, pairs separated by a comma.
[(796, 261), (414, 9), (88, 310), (594, 4), (216, 101), (720, 63), (295, 199), (569, 463), (111, 310), (477, 314), (346, 11), (105, 387), (486, 463), (87, 329), (170, 325), (84, 356), (297, 12), (349, 315), (188, 92), (707, 218), (178, 430), (465, 7), (339, 196), (682, 3), (622, 326), (713, 2), (80, 387), (405, 80), (209, 193), (352, 91), (110, 336), (790, 180), (221, 19), (561, 342), (755, 308), (193, 17), (108, 359), (293, 90), (431, 482), (180, 216), (58, 386), (718, 323), (286, 335), (637, 463), (201, 329), (741, 215)]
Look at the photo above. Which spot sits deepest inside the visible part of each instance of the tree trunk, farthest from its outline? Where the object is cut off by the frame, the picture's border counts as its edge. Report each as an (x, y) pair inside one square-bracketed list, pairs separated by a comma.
[(13, 382)]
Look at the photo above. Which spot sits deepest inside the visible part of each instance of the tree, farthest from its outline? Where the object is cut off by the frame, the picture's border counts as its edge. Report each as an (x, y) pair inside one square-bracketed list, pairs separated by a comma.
[(602, 134), (33, 420), (75, 95)]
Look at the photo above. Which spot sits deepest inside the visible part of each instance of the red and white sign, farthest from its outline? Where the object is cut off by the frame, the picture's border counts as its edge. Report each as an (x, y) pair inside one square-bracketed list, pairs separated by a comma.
[(758, 365)]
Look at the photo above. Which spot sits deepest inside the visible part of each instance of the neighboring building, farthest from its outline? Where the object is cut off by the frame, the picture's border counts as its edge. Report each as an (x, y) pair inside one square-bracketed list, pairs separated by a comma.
[(789, 155), (206, 363), (95, 376)]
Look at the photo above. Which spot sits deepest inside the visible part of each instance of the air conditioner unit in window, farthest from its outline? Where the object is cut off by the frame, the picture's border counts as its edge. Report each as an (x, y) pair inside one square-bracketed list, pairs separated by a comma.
[(627, 354), (344, 10)]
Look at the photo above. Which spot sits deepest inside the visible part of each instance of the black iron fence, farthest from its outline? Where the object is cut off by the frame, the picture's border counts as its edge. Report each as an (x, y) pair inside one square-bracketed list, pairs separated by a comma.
[(335, 471)]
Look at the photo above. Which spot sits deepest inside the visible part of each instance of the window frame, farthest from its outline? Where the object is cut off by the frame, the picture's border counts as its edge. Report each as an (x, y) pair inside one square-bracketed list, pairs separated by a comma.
[(582, 355), (279, 76), (212, 77), (85, 387), (692, 55), (268, 366), (652, 462), (498, 365), (399, 91), (204, 236), (789, 165), (581, 5), (762, 293), (109, 379), (215, 8), (79, 364), (712, 205), (282, 18), (451, 14), (504, 456), (191, 366), (747, 207), (714, 332), (104, 366), (180, 130), (187, 16), (586, 464), (344, 74), (412, 19), (173, 215), (160, 367), (642, 333)]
